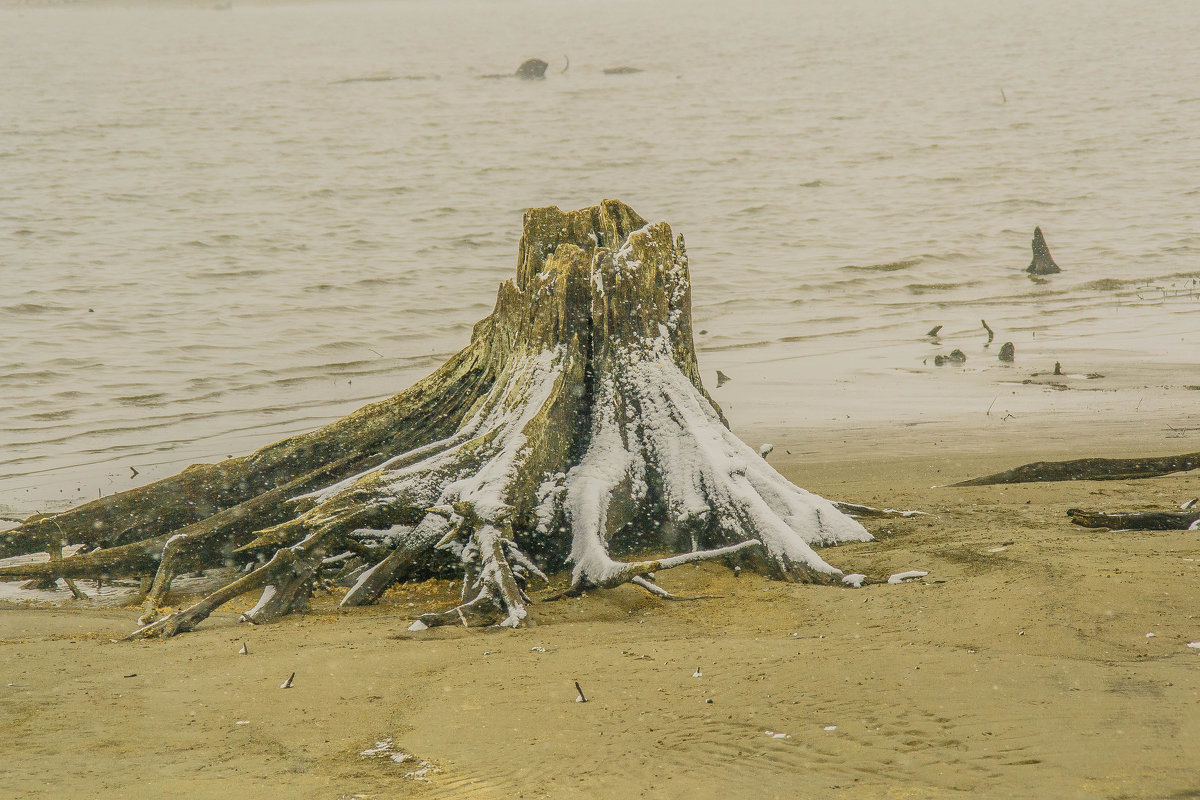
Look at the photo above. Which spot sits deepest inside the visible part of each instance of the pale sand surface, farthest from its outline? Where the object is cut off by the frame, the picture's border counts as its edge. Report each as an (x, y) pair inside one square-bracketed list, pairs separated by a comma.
[(1021, 673)]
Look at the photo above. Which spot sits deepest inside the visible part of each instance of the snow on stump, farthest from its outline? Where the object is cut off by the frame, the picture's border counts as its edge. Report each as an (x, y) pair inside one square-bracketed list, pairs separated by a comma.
[(573, 432)]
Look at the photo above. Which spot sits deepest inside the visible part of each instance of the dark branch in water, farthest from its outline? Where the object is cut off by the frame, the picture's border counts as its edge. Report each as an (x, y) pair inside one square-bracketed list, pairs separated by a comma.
[(991, 334)]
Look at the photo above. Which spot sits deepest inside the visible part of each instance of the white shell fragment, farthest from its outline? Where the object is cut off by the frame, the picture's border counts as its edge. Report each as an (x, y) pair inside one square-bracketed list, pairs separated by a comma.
[(901, 577), (856, 580)]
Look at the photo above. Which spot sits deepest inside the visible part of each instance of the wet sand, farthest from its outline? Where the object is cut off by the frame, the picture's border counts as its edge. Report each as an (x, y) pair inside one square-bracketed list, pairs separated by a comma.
[(1025, 671)]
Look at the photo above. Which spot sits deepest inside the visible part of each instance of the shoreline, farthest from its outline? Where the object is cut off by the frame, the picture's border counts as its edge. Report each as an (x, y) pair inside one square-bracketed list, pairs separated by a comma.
[(1132, 413)]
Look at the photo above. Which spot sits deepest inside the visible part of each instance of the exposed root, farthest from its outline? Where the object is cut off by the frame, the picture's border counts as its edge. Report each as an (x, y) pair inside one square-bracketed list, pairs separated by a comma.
[(656, 590), (616, 573), (859, 511), (374, 581), (499, 571), (288, 588), (281, 578), (480, 612)]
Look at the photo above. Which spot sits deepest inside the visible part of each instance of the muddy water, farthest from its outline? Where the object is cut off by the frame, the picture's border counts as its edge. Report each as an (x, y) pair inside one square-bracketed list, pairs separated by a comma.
[(219, 227)]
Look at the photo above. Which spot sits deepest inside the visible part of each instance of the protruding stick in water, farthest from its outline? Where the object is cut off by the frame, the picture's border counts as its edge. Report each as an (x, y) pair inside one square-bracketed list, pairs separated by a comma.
[(991, 334)]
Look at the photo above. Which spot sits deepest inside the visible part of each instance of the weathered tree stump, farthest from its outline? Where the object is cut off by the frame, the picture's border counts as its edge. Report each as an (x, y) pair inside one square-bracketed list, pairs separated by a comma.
[(533, 69), (1042, 263), (573, 431)]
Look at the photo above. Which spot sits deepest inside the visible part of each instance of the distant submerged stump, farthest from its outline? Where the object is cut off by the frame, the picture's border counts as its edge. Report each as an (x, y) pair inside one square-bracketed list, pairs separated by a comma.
[(532, 70), (572, 432), (1042, 263)]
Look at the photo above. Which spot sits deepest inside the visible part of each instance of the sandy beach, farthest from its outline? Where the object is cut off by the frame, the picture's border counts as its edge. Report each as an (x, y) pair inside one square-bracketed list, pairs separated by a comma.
[(1036, 659), (227, 224)]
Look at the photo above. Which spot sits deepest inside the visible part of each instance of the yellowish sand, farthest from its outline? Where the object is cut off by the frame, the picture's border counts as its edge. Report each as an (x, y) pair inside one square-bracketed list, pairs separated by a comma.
[(1025, 671)]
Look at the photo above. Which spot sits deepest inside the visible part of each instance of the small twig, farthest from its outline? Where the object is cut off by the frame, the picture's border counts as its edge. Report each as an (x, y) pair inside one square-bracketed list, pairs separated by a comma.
[(655, 589), (581, 698), (991, 334)]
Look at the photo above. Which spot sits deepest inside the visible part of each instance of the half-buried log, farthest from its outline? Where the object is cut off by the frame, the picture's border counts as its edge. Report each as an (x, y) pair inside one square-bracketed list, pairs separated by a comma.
[(1136, 520), (1090, 469), (573, 432)]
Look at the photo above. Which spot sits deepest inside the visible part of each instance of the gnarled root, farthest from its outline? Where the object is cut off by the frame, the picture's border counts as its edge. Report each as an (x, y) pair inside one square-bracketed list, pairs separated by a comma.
[(501, 571), (656, 590)]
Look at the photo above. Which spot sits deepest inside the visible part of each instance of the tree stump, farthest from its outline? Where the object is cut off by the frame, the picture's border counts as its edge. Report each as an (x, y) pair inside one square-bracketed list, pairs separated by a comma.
[(572, 432), (1042, 263)]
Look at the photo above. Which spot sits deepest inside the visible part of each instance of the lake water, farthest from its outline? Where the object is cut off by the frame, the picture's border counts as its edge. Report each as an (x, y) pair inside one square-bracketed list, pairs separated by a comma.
[(213, 233)]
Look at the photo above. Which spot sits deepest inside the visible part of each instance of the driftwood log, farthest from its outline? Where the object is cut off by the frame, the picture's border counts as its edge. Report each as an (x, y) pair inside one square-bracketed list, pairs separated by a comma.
[(1090, 469), (573, 432), (1107, 469), (1136, 520)]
